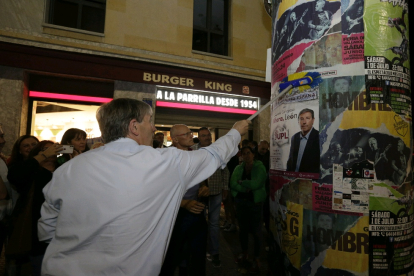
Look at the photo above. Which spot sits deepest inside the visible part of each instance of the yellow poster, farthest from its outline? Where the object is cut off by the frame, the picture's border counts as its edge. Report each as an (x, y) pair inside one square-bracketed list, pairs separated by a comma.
[(351, 250), (292, 233), (375, 116)]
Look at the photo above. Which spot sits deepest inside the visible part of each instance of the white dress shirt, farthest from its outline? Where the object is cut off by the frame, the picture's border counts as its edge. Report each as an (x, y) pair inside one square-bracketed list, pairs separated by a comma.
[(111, 210)]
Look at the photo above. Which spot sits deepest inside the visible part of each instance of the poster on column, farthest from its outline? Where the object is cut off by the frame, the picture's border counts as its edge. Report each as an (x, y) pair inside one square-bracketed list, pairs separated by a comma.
[(286, 225), (352, 21), (331, 242), (381, 138), (296, 26), (294, 149), (391, 241), (337, 94), (351, 187), (387, 65), (292, 233)]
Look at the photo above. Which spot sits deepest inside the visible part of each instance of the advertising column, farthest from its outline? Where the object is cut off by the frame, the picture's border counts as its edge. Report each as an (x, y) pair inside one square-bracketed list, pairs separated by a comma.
[(341, 189)]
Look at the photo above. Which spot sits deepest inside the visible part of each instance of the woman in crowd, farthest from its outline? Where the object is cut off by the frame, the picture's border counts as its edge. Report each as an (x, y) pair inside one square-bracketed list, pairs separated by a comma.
[(21, 149), (20, 153), (29, 178), (77, 138), (248, 189)]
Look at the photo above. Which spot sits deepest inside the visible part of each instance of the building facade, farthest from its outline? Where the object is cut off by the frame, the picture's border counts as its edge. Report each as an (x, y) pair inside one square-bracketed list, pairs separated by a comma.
[(197, 62)]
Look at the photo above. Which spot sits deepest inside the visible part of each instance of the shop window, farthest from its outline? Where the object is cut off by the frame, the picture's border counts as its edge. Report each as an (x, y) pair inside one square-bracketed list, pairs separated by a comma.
[(51, 119), (88, 15), (210, 26)]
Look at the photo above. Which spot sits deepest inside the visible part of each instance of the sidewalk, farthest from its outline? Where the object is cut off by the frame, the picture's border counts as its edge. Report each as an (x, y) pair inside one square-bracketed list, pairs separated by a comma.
[(229, 249)]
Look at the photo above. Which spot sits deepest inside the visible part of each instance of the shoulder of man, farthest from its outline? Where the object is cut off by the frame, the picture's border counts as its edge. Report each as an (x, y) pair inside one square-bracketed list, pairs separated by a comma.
[(314, 132)]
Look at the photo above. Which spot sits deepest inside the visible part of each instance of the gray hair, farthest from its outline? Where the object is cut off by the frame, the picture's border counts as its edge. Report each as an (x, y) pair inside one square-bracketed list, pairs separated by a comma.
[(307, 110), (114, 117)]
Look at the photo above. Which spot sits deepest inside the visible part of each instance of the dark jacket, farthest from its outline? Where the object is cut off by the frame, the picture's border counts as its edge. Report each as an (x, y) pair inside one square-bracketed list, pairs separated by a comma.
[(311, 156)]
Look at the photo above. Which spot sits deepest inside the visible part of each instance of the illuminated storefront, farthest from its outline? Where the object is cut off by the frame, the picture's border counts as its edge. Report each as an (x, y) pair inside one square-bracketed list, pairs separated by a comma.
[(54, 90)]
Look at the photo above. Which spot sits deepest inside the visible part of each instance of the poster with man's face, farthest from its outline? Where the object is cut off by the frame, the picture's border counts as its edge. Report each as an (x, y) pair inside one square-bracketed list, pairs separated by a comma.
[(295, 138)]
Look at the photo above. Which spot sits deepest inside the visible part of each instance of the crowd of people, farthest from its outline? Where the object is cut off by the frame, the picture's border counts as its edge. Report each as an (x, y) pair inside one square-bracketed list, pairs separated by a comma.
[(131, 206), (241, 186)]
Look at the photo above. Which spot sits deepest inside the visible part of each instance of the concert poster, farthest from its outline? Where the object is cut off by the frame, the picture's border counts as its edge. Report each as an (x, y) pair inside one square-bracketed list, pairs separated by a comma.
[(352, 21), (387, 65), (299, 26), (389, 155), (364, 176), (330, 242), (337, 94), (291, 239), (352, 18), (322, 197), (391, 224), (351, 187)]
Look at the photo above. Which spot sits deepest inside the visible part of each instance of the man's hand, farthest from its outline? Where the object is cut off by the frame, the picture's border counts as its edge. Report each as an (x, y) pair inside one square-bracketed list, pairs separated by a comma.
[(242, 126), (192, 206), (203, 191)]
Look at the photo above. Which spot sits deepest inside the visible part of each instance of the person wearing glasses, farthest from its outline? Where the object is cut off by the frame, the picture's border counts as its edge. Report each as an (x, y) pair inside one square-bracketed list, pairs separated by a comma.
[(187, 248), (112, 211)]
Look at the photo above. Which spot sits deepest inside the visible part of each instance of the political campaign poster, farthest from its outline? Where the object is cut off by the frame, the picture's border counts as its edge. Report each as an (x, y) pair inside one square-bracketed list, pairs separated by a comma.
[(391, 241), (290, 154), (387, 65)]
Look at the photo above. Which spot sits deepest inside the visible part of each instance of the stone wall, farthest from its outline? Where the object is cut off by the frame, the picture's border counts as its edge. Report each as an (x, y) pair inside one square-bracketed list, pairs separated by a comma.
[(13, 105)]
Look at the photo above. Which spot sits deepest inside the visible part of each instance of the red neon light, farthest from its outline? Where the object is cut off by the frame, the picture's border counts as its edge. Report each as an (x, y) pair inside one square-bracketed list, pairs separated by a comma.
[(204, 107), (46, 95)]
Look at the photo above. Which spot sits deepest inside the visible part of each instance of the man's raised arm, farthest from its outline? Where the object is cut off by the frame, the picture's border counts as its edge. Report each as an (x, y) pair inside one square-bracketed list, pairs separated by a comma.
[(201, 164)]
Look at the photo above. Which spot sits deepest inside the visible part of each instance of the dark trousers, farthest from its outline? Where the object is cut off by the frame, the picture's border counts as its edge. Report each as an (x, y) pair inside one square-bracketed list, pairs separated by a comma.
[(187, 247), (249, 215)]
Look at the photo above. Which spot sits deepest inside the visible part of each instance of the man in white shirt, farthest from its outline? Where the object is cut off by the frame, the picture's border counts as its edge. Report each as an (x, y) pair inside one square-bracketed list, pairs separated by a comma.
[(110, 211)]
